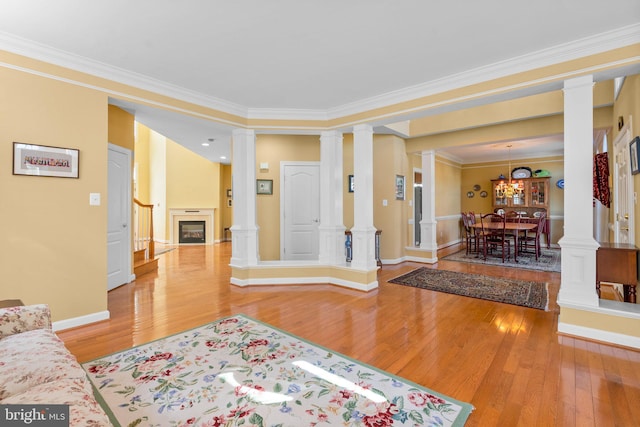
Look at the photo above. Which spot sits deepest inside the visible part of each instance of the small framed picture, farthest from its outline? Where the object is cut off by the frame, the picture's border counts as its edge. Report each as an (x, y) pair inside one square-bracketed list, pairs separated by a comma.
[(350, 183), (634, 154), (229, 193), (264, 186), (399, 187), (229, 203), (42, 160)]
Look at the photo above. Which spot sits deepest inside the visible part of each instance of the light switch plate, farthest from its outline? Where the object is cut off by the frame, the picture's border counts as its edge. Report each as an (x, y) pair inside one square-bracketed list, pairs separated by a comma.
[(94, 199)]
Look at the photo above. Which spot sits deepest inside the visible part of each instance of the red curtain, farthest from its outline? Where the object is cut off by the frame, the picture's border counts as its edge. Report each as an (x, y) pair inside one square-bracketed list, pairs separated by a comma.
[(601, 178)]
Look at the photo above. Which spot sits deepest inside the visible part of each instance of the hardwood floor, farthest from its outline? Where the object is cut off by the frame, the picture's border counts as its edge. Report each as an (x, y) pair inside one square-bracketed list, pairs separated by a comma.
[(507, 361)]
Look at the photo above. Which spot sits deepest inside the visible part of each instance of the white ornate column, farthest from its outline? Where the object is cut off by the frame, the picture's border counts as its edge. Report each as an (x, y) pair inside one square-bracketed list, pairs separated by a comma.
[(331, 229), (244, 231), (428, 223), (578, 276), (363, 231)]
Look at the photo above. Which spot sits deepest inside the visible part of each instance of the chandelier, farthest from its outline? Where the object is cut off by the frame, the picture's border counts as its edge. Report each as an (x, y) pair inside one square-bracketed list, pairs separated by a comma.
[(511, 188)]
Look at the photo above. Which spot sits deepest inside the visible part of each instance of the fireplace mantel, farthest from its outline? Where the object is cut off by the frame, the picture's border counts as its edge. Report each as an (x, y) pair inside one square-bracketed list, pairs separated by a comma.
[(195, 214)]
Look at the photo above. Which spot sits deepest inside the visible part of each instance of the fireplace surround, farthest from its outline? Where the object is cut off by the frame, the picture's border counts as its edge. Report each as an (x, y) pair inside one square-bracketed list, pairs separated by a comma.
[(190, 217)]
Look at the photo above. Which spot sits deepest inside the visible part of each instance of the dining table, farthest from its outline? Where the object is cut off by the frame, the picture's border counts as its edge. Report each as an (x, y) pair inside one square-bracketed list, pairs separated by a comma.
[(508, 226)]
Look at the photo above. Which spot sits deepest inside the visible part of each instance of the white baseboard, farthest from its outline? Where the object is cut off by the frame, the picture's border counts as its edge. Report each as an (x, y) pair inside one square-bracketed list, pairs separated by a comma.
[(307, 281), (81, 321), (599, 335)]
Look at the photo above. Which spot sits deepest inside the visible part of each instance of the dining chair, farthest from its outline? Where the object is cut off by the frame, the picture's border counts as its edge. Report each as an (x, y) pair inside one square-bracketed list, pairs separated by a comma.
[(534, 240), (494, 237), (513, 217), (471, 236)]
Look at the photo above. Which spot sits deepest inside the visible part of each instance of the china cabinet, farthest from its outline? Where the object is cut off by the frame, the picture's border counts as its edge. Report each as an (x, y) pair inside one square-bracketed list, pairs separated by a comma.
[(532, 196)]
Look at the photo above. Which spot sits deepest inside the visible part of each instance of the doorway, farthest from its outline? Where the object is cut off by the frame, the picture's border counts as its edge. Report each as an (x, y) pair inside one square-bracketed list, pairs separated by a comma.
[(300, 207), (417, 206), (118, 216), (624, 214)]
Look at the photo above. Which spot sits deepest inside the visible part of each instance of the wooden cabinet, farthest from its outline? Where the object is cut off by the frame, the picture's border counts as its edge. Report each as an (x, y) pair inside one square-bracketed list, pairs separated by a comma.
[(618, 263), (534, 196)]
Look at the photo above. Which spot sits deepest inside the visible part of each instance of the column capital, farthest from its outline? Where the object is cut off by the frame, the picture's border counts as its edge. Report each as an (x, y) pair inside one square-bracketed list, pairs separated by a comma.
[(578, 82), (365, 127)]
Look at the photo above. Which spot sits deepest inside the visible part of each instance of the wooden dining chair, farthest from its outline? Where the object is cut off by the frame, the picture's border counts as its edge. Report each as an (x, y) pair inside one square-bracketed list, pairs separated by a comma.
[(534, 240), (495, 237), (513, 217), (471, 236)]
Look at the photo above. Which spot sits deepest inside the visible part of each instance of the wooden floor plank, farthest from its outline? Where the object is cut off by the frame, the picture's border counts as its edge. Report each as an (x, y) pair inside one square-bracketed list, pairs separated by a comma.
[(507, 361)]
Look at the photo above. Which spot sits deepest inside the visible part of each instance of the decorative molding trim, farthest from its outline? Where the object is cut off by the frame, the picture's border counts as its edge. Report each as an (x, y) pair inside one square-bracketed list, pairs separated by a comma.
[(420, 259), (442, 156), (305, 281), (598, 335), (393, 261), (80, 321), (31, 49), (562, 53)]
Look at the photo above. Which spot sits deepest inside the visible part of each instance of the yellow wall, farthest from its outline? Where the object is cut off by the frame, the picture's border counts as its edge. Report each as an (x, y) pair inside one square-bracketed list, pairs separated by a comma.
[(121, 128), (226, 211), (390, 160), (272, 149), (54, 247), (447, 182), (347, 165), (191, 182), (142, 164)]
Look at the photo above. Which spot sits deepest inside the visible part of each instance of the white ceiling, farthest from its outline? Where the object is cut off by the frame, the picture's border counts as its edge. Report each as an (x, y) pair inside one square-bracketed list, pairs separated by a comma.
[(258, 58)]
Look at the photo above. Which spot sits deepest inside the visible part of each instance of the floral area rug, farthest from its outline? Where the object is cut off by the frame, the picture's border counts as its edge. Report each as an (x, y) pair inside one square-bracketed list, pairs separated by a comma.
[(509, 291), (238, 371), (549, 260)]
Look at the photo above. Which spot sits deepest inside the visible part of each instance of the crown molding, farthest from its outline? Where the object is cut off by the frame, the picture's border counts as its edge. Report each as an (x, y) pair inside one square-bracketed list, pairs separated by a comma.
[(592, 45), (561, 53), (41, 52), (286, 114)]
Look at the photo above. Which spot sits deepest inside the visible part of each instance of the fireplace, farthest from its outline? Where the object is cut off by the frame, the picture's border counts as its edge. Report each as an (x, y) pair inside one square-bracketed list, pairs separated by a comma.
[(190, 217), (192, 232)]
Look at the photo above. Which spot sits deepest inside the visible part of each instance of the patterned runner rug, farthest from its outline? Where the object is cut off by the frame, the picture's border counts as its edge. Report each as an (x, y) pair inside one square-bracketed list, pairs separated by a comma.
[(509, 291), (549, 260), (239, 371)]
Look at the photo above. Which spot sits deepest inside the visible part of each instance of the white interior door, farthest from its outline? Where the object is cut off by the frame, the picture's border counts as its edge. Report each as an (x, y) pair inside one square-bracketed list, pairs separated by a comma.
[(301, 211), (623, 191), (118, 217)]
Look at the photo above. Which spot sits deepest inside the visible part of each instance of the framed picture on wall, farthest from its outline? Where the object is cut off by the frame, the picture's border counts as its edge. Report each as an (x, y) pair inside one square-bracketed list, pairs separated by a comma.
[(350, 183), (264, 186), (42, 160), (634, 155), (399, 187)]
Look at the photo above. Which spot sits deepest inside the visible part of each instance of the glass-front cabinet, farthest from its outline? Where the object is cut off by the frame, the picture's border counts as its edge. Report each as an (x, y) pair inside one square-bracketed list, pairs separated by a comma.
[(526, 194)]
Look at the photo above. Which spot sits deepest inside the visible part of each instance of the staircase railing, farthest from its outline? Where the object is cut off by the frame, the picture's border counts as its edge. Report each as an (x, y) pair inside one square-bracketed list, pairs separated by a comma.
[(143, 229)]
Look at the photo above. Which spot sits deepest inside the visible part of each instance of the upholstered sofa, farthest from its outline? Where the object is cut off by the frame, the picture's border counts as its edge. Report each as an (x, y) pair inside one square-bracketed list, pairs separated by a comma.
[(36, 368)]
